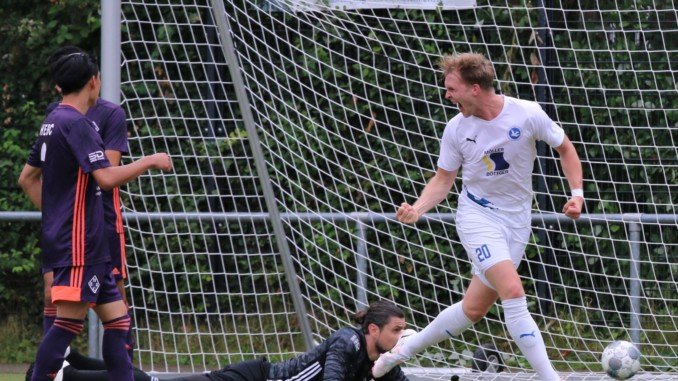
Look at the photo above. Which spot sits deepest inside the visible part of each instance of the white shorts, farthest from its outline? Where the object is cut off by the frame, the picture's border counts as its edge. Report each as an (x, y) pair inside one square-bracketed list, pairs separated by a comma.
[(489, 240)]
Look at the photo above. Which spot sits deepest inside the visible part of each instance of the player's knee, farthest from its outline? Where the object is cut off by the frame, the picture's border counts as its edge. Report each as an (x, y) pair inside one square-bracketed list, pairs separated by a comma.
[(475, 312), (512, 291)]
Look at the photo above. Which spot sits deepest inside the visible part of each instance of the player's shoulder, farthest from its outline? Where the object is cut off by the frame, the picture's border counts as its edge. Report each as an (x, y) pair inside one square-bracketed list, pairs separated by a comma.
[(452, 127), (105, 108), (65, 115), (108, 105), (51, 107), (522, 104), (348, 339)]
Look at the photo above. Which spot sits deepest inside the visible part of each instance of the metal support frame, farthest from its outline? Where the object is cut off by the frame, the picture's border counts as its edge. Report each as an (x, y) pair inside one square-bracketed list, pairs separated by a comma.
[(231, 55), (633, 221), (110, 90)]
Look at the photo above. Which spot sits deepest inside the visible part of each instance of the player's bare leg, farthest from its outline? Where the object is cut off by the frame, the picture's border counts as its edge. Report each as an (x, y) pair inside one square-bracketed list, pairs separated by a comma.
[(478, 299)]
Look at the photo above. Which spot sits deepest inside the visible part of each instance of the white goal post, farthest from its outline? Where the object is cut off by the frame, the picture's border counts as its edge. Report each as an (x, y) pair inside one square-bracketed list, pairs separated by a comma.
[(296, 129)]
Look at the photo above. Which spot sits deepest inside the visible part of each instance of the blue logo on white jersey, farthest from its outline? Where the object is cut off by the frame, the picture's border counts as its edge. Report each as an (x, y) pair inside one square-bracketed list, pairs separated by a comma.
[(495, 162), (514, 133)]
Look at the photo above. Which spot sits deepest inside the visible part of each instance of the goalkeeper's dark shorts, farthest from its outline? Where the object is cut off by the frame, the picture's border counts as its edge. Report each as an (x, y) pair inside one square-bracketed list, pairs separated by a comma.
[(251, 370)]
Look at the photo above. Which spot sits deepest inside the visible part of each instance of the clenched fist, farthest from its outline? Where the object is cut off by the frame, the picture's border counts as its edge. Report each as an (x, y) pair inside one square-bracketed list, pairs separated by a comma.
[(573, 206), (407, 214), (162, 161)]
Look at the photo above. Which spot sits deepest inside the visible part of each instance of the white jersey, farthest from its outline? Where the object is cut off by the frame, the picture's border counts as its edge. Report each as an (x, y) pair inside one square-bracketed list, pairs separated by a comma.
[(497, 157)]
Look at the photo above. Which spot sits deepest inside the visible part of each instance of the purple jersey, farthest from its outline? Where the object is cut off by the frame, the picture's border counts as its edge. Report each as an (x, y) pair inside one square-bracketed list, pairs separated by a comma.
[(110, 122), (67, 150)]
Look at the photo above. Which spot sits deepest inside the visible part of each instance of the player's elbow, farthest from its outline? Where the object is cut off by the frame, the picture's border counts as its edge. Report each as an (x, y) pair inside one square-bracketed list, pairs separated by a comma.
[(104, 181), (25, 181), (105, 184), (22, 181)]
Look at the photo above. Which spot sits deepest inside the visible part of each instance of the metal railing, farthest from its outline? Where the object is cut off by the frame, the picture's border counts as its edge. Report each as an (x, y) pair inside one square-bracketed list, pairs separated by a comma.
[(633, 222)]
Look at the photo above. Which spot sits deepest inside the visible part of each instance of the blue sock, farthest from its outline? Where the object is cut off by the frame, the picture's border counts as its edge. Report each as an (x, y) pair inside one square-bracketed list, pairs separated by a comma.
[(50, 355), (115, 353)]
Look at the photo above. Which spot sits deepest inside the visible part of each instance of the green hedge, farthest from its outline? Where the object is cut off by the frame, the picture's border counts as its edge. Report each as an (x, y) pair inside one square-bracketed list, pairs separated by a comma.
[(34, 28), (31, 31)]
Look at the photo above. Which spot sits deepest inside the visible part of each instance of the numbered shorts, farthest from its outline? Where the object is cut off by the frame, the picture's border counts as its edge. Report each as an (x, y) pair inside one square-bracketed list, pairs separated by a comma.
[(116, 247), (488, 241), (93, 284)]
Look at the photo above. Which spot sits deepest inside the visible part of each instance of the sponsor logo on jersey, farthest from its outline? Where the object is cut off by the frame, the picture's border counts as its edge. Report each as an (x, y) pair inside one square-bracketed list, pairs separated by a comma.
[(96, 156), (495, 162), (94, 284), (96, 126), (46, 129), (514, 133)]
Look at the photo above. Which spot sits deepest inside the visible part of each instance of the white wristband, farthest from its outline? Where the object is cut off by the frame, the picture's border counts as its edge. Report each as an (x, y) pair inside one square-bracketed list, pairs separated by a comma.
[(578, 192)]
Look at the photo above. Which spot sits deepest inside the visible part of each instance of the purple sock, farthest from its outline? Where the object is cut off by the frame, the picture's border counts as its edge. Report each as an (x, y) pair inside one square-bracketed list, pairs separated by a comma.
[(115, 353), (50, 355), (48, 316)]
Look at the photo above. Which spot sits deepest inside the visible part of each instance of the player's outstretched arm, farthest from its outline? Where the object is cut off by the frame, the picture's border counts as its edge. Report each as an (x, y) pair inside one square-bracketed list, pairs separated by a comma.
[(434, 192), (111, 177), (30, 181), (569, 161)]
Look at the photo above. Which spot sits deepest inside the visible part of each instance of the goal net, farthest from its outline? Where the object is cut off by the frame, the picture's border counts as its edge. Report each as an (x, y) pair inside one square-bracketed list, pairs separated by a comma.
[(298, 127)]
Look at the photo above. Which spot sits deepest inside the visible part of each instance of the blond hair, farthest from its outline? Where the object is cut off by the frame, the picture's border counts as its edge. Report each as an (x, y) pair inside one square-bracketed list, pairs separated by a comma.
[(473, 68)]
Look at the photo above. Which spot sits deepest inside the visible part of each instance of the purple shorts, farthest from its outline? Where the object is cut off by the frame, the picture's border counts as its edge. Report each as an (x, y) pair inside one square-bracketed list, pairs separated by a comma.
[(93, 284)]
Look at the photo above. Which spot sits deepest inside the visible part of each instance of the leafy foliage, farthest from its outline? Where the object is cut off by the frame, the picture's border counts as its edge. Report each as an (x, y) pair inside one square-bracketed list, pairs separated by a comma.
[(31, 30), (603, 111)]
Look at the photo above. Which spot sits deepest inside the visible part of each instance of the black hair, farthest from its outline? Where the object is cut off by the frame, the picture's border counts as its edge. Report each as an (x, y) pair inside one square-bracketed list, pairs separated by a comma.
[(72, 68), (379, 313)]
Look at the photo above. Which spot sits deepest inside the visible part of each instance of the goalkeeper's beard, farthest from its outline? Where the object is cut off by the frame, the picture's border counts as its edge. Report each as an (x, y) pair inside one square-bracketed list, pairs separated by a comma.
[(381, 349)]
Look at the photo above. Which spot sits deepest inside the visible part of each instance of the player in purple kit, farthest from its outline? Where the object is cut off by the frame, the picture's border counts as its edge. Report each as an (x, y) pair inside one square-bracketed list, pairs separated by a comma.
[(110, 122), (69, 155)]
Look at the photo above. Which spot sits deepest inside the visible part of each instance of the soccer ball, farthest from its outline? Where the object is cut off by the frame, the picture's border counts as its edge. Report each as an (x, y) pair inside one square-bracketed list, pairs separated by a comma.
[(621, 360)]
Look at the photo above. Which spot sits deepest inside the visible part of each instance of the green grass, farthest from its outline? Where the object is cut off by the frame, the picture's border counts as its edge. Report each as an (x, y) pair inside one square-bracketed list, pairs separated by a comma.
[(12, 377)]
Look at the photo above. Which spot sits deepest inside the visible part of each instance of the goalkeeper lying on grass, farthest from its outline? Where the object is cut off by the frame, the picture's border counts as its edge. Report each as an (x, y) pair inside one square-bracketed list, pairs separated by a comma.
[(346, 355)]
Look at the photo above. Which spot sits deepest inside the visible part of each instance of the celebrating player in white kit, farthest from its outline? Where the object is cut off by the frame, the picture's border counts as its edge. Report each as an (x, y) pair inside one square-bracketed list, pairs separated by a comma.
[(493, 139)]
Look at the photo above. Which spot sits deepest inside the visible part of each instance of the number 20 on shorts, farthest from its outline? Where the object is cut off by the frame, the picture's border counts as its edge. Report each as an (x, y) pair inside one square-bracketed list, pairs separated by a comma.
[(483, 253)]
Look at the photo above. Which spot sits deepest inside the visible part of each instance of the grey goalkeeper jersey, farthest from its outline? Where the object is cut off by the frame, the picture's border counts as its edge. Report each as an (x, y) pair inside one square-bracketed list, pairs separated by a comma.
[(342, 357)]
